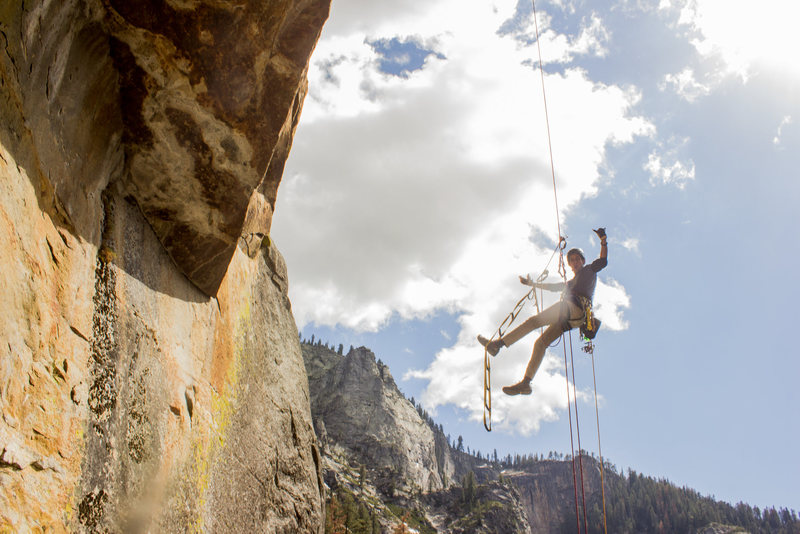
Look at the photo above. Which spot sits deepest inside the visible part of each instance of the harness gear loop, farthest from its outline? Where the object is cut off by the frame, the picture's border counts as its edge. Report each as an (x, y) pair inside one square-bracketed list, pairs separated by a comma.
[(587, 311), (589, 323)]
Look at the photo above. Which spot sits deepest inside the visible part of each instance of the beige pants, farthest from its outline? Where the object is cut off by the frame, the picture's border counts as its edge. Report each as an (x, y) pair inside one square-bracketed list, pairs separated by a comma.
[(552, 317)]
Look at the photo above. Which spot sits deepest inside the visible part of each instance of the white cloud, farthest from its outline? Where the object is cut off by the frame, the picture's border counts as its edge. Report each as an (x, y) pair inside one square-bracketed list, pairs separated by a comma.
[(666, 167), (412, 195), (592, 40), (674, 172), (744, 36), (631, 244), (685, 85), (609, 302), (778, 136), (449, 384)]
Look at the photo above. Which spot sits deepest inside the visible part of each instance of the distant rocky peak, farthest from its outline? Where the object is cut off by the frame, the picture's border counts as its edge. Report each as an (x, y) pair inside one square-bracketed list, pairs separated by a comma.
[(366, 359), (363, 412)]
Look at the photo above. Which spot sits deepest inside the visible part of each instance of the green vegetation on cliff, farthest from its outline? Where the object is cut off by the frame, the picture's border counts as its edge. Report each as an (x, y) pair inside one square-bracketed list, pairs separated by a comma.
[(638, 503)]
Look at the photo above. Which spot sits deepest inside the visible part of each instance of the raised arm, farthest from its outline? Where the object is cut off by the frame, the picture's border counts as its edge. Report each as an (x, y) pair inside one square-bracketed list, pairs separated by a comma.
[(601, 233)]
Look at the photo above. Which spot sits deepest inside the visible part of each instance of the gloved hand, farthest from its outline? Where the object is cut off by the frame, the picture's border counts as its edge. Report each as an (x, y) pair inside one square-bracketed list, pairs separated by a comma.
[(601, 232)]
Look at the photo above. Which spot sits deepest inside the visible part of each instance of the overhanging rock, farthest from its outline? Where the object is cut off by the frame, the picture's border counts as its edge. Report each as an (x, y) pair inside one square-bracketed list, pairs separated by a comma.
[(211, 93)]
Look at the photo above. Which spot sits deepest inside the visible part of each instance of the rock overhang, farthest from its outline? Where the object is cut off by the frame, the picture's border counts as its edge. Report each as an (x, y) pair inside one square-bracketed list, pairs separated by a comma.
[(210, 94)]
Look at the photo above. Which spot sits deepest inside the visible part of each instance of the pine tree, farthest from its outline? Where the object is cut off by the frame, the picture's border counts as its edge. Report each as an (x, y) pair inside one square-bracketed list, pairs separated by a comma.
[(362, 476), (468, 490), (335, 518)]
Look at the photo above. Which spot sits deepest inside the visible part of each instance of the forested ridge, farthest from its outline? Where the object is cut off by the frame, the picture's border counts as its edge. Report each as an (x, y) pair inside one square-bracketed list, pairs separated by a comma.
[(638, 503), (635, 503)]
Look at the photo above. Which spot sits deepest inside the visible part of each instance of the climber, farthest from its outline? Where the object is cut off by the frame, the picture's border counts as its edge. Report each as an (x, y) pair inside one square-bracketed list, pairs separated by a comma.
[(566, 314)]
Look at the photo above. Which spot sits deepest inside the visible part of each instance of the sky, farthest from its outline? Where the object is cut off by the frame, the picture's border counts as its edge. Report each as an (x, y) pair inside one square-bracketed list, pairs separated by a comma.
[(420, 186)]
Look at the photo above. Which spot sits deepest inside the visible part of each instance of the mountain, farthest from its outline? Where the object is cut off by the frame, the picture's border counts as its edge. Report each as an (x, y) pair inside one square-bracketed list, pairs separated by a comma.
[(389, 466), (357, 392), (362, 419)]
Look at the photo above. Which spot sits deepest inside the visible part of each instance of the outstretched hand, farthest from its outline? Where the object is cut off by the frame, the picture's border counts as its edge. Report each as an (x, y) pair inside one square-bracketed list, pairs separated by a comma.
[(601, 232), (526, 280)]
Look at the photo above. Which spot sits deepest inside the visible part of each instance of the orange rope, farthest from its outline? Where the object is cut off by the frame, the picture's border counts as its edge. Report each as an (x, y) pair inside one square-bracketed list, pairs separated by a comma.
[(504, 326), (547, 120), (578, 432), (487, 399), (562, 271), (571, 441), (599, 447)]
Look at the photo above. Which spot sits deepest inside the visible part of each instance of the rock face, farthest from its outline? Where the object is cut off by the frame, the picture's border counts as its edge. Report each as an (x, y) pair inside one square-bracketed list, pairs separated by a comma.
[(137, 138), (496, 507), (548, 494), (377, 448), (356, 400)]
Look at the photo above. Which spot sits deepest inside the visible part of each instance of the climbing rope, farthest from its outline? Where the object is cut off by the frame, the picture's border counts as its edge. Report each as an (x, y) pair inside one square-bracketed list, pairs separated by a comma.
[(590, 349), (571, 443), (531, 295), (562, 272), (578, 432), (503, 328), (547, 119), (487, 365)]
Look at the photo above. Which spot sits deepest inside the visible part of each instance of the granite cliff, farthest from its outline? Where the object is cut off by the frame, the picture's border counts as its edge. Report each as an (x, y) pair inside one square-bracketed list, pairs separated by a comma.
[(355, 400), (151, 375), (377, 446)]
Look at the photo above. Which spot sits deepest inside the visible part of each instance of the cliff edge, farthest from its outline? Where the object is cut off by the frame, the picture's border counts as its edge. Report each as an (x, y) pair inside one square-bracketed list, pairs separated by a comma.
[(151, 375)]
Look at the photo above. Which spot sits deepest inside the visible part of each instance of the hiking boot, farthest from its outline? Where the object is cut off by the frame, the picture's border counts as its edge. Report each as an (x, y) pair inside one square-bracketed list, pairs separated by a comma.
[(523, 387), (491, 346)]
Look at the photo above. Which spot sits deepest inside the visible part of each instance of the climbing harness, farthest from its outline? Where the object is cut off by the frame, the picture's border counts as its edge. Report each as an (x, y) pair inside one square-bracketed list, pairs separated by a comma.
[(590, 324)]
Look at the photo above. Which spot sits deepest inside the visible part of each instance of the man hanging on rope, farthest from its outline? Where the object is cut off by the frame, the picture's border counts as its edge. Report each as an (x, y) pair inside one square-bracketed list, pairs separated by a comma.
[(566, 314)]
